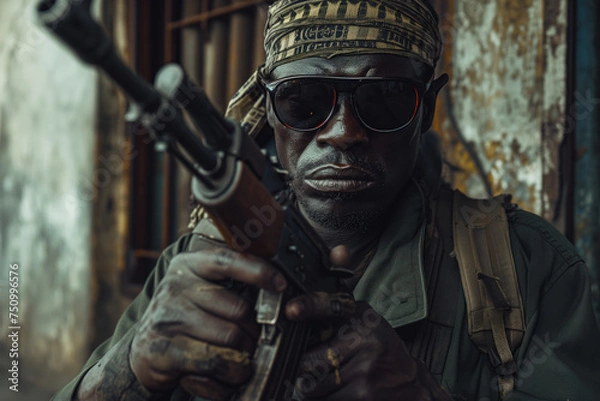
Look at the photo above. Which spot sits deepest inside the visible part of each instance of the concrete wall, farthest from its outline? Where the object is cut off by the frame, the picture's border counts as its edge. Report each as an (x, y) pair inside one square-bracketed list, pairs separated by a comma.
[(47, 122)]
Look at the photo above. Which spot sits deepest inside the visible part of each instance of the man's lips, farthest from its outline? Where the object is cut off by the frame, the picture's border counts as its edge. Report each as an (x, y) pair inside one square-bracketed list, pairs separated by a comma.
[(339, 178)]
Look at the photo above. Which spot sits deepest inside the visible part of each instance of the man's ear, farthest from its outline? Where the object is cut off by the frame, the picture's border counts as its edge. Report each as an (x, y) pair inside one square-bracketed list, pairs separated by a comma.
[(430, 99)]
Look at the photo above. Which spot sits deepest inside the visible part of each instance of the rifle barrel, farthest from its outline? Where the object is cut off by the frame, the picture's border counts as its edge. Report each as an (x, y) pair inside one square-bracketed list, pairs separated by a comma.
[(72, 22)]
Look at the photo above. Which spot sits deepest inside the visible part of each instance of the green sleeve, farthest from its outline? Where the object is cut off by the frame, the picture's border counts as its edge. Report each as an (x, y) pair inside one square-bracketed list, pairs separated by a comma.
[(560, 355), (559, 358), (130, 316)]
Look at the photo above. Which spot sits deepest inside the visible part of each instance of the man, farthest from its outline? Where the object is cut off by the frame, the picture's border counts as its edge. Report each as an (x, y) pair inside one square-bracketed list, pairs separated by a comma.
[(348, 95)]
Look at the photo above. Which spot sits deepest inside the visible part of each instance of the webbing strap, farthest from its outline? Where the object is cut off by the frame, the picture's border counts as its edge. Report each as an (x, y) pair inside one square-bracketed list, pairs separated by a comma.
[(494, 306), (506, 381)]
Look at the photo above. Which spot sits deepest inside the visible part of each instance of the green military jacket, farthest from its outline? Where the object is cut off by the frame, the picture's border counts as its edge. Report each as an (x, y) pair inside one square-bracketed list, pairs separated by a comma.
[(414, 283)]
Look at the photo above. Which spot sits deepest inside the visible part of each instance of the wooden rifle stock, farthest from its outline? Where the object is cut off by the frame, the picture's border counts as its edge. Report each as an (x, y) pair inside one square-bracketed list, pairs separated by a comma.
[(232, 179), (251, 220)]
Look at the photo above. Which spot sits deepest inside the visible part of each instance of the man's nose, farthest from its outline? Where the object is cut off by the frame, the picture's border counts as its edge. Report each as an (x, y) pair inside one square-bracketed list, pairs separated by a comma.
[(343, 130)]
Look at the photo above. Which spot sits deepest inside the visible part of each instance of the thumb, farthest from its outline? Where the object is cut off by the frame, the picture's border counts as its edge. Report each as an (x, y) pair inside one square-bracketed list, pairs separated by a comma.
[(339, 256), (320, 306)]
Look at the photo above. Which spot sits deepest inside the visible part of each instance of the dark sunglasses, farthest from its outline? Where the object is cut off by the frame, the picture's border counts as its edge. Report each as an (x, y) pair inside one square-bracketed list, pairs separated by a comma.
[(306, 103)]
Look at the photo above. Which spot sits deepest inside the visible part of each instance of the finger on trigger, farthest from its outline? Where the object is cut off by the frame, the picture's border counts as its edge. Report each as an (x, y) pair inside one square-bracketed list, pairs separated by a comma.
[(320, 305), (222, 263)]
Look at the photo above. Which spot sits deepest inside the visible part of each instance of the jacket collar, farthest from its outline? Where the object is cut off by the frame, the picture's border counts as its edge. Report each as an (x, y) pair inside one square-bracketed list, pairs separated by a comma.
[(394, 283)]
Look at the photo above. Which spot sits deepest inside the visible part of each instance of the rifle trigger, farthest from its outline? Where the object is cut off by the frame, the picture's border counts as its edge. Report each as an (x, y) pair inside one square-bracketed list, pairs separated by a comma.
[(268, 306)]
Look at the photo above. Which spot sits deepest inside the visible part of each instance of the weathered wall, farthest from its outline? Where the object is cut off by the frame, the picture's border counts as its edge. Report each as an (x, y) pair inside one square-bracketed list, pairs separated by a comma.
[(47, 120), (510, 122), (502, 116)]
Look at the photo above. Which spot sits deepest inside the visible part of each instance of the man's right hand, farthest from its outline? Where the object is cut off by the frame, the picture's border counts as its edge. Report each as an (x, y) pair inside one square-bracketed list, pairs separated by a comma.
[(195, 332)]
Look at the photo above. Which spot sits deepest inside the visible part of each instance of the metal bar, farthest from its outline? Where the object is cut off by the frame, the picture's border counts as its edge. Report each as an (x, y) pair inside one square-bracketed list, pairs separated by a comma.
[(168, 31), (258, 49), (217, 12), (240, 53), (145, 253), (192, 60), (169, 161), (142, 168), (566, 208), (555, 157), (215, 56), (204, 8), (585, 114)]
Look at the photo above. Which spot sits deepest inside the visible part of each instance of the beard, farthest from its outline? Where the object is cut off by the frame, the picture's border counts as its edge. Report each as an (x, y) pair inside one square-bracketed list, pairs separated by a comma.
[(360, 221), (341, 211)]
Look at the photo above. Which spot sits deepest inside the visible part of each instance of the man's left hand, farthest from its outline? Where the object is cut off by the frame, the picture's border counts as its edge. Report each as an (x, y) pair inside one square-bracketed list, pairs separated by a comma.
[(363, 360)]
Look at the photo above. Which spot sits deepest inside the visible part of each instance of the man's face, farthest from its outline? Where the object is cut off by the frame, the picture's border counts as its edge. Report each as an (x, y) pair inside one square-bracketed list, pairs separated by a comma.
[(344, 174)]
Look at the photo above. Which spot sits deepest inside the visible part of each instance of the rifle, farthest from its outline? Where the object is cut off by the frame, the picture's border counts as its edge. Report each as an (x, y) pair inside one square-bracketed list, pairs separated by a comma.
[(232, 179)]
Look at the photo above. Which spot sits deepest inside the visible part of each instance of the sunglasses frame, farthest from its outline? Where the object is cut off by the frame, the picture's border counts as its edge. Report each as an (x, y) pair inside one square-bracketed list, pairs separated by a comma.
[(350, 85)]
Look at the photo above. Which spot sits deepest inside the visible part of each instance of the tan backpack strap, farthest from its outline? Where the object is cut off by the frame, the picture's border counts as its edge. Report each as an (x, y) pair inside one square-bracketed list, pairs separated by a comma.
[(487, 270)]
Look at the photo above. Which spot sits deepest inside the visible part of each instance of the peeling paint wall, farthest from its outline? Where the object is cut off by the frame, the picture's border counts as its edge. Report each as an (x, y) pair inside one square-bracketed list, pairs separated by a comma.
[(509, 123), (502, 116), (47, 120)]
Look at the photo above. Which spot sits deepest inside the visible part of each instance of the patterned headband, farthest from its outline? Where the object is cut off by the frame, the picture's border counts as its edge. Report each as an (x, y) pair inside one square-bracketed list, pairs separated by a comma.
[(298, 29)]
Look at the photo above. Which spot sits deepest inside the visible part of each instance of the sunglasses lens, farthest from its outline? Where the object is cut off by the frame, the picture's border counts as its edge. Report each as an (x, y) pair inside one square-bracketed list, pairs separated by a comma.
[(386, 105), (303, 105)]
